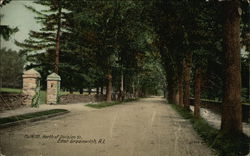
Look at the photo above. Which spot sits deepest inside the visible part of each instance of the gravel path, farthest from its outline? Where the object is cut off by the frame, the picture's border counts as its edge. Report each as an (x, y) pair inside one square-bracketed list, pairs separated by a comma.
[(215, 120), (147, 127)]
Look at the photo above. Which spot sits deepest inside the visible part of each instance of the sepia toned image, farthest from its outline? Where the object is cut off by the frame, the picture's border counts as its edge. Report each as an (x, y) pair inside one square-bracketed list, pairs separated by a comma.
[(124, 77)]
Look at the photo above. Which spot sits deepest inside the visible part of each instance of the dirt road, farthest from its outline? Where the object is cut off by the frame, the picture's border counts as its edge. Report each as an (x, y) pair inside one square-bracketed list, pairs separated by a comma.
[(147, 127)]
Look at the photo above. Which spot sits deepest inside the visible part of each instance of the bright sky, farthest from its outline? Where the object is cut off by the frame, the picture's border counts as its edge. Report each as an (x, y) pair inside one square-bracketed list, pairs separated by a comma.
[(16, 15)]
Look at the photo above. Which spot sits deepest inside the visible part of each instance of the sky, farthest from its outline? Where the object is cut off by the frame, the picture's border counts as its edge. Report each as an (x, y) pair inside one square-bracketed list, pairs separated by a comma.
[(16, 15)]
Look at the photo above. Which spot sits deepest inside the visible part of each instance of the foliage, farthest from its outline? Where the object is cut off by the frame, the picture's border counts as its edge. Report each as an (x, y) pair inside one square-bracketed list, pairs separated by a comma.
[(11, 90), (11, 68), (40, 48), (113, 38), (98, 38), (6, 31), (117, 37), (245, 25), (36, 97), (152, 76)]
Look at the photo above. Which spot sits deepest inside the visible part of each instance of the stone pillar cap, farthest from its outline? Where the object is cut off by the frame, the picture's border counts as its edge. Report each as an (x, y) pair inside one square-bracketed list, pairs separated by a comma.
[(32, 73), (53, 77)]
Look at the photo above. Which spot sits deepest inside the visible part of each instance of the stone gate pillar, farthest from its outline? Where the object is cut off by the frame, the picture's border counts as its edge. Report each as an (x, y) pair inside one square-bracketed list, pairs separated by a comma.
[(53, 88), (31, 87)]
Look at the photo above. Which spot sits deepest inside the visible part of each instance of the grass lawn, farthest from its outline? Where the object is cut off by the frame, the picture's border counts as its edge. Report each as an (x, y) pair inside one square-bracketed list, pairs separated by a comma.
[(11, 90), (42, 99)]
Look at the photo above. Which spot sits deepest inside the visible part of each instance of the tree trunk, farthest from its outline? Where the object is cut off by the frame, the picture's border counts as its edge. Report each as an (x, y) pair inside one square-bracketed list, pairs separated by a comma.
[(133, 89), (180, 88), (231, 111), (97, 90), (102, 89), (109, 88), (197, 93), (71, 91), (122, 82), (58, 39), (89, 90), (121, 94), (187, 72), (171, 89), (177, 96), (180, 83), (81, 90)]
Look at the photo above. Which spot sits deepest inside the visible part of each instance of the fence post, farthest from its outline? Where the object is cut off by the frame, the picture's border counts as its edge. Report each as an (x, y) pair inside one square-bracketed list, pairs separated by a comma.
[(31, 88), (53, 88)]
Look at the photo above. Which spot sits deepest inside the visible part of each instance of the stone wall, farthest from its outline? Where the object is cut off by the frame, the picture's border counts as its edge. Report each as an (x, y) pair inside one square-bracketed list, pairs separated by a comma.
[(217, 108), (79, 98), (11, 101), (213, 105)]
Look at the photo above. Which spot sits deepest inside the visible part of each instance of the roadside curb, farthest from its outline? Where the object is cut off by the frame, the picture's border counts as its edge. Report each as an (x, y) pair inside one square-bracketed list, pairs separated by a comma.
[(26, 121)]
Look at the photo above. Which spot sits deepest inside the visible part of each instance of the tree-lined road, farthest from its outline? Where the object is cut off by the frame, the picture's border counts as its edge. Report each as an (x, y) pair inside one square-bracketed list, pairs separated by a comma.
[(147, 127)]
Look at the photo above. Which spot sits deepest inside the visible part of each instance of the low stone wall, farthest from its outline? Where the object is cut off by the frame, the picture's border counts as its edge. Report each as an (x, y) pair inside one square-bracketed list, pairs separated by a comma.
[(79, 98), (213, 105), (11, 101), (217, 107)]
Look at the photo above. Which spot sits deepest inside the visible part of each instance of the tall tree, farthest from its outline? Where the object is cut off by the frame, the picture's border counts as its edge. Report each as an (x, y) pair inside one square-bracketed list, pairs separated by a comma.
[(110, 34), (231, 113), (166, 19), (58, 34), (187, 79), (46, 41)]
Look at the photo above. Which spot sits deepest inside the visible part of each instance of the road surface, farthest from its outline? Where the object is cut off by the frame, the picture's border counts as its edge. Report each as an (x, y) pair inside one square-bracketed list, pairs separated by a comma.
[(148, 127)]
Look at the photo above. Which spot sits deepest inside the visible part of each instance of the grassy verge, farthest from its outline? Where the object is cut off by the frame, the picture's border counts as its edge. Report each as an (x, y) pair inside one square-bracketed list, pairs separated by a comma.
[(225, 145), (42, 99), (107, 104), (30, 116), (11, 90)]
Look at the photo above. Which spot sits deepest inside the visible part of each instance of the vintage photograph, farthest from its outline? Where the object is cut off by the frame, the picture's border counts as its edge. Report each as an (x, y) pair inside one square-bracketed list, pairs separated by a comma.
[(124, 78)]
